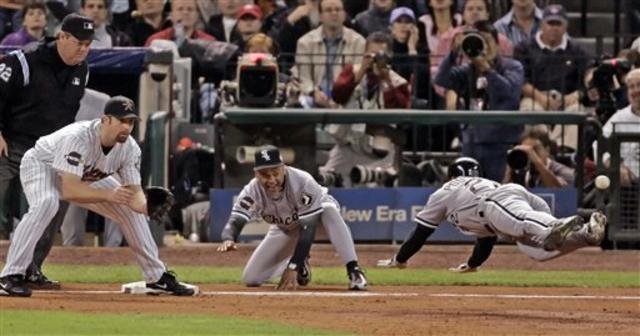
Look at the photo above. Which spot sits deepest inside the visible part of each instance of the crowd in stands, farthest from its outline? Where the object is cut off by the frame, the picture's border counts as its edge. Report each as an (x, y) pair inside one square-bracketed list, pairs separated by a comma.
[(382, 54)]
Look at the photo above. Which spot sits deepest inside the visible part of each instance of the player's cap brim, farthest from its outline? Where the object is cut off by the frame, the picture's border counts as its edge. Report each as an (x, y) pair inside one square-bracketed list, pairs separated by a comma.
[(268, 166), (128, 116)]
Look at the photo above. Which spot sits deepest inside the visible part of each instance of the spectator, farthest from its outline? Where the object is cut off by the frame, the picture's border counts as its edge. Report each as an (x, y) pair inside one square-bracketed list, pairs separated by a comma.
[(440, 21), (40, 93), (150, 18), (34, 22), (10, 16), (376, 18), (299, 21), (223, 26), (272, 13), (554, 68), (627, 120), (410, 51), (106, 35), (322, 52), (474, 11), (542, 170), (489, 82), (249, 23), (372, 84), (368, 85), (522, 22), (184, 13)]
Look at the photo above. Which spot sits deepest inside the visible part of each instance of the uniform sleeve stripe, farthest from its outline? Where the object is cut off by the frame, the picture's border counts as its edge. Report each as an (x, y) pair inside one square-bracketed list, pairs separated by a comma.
[(236, 212), (426, 223), (24, 65), (310, 213)]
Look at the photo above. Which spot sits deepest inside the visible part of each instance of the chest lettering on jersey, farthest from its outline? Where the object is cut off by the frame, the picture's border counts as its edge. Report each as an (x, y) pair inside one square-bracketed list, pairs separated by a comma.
[(271, 219), (92, 174)]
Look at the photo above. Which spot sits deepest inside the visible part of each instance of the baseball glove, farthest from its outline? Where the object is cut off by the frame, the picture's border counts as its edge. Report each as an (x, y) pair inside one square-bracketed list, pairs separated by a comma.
[(159, 202)]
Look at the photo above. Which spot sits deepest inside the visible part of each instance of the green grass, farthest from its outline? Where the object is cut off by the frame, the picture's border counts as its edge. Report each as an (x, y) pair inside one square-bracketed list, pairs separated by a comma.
[(337, 276), (23, 322)]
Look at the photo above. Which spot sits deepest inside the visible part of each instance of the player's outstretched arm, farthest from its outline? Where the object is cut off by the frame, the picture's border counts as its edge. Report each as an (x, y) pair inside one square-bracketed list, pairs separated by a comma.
[(306, 236), (411, 246), (481, 252), (231, 232), (74, 190)]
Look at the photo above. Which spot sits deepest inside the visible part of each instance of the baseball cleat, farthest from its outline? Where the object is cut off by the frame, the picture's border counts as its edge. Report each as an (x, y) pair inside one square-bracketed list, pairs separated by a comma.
[(357, 279), (13, 285), (35, 279), (561, 231), (391, 263), (596, 228), (304, 273), (169, 285)]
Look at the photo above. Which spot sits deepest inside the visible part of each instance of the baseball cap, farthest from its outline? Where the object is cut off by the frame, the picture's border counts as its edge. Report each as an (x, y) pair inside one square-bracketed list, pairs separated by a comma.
[(81, 27), (555, 13), (400, 12), (252, 10), (267, 157), (121, 107)]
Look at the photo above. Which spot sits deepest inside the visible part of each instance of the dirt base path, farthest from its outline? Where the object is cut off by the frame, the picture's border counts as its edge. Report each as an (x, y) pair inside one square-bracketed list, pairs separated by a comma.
[(393, 310)]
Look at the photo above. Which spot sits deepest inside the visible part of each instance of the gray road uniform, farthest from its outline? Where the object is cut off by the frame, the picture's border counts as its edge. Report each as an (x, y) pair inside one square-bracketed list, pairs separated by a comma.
[(76, 149), (302, 197), (483, 208)]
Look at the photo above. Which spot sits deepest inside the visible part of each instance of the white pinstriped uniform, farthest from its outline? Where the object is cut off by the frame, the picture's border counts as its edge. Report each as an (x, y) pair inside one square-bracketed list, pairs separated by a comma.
[(302, 197), (481, 207), (76, 149)]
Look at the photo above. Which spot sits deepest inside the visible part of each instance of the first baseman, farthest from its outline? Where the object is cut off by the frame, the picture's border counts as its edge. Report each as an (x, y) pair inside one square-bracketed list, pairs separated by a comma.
[(486, 209), (294, 204), (76, 164)]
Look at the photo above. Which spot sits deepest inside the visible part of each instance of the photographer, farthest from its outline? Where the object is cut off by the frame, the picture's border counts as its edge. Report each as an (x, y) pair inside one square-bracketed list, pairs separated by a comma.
[(530, 163), (627, 120), (368, 85), (489, 82)]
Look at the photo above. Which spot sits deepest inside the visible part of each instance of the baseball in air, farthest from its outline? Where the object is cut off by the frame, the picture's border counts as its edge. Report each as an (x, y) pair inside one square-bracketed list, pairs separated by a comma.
[(602, 182)]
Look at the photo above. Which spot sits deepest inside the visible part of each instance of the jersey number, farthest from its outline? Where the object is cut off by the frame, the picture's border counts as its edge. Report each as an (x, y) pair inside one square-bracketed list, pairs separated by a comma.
[(5, 72)]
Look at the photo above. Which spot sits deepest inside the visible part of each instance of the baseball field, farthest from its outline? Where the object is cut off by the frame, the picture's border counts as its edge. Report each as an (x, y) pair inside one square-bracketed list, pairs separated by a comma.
[(589, 292)]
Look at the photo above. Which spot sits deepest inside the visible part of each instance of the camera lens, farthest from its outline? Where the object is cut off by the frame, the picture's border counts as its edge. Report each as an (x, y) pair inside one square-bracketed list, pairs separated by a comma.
[(517, 159), (472, 45)]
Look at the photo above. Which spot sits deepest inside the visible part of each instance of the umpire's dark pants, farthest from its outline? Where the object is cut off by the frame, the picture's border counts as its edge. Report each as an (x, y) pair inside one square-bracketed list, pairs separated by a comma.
[(10, 170)]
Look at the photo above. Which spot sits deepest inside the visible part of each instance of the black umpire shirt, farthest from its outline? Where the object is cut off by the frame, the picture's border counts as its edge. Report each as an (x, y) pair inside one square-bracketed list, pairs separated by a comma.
[(39, 93)]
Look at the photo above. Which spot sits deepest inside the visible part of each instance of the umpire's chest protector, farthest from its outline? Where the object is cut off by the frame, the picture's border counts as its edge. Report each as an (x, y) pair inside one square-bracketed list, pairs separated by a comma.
[(51, 93)]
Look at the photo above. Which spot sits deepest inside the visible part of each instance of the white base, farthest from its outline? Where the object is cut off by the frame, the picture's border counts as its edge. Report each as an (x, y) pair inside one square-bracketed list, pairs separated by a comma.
[(140, 287)]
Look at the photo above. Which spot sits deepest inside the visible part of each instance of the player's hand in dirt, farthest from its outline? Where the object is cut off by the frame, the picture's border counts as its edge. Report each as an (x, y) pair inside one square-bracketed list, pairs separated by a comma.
[(390, 263), (288, 281), (227, 246), (463, 268)]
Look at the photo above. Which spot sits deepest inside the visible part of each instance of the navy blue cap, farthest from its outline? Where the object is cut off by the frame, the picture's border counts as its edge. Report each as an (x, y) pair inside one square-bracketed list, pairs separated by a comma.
[(81, 27), (121, 107), (267, 156)]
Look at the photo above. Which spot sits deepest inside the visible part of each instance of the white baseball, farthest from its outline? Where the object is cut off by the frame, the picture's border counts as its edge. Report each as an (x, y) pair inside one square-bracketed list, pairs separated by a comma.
[(602, 182)]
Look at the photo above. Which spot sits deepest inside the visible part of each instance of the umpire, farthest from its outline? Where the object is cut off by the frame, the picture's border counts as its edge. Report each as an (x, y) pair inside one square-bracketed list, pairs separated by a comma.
[(40, 92)]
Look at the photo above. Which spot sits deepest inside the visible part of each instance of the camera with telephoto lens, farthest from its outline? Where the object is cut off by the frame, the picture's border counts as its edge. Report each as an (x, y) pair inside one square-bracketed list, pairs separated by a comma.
[(382, 176), (329, 179), (381, 59), (518, 161), (603, 81), (473, 44)]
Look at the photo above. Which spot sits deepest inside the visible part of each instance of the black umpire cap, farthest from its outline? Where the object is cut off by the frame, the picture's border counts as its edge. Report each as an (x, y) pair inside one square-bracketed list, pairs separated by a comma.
[(267, 156), (81, 27), (121, 107)]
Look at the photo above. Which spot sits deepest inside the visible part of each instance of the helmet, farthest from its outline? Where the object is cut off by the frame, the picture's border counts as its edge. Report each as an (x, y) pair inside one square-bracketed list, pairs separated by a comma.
[(464, 166)]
